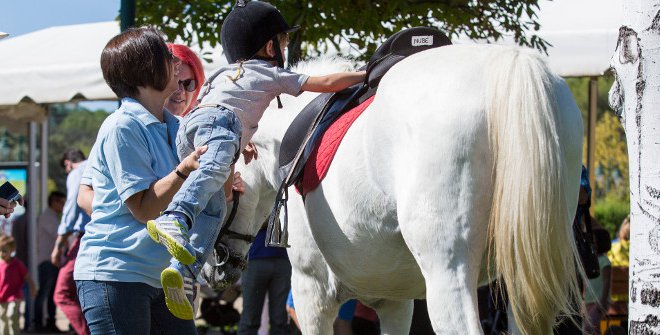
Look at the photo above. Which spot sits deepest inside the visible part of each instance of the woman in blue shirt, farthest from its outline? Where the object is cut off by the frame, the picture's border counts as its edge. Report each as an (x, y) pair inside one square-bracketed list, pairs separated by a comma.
[(134, 171)]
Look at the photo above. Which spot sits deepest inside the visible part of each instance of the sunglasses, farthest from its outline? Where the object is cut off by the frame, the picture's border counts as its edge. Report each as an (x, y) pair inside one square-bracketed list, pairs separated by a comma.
[(189, 84)]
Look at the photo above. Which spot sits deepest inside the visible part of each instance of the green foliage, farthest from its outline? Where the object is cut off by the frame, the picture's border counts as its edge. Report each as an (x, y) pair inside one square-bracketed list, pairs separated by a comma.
[(579, 86), (14, 145), (610, 213), (362, 23), (70, 127), (611, 154)]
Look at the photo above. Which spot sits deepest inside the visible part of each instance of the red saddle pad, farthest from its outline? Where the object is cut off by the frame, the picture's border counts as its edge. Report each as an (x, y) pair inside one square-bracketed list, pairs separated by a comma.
[(319, 161)]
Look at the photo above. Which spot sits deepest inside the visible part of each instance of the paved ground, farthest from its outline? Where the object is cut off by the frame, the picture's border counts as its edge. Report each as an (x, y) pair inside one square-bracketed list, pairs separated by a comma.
[(63, 324)]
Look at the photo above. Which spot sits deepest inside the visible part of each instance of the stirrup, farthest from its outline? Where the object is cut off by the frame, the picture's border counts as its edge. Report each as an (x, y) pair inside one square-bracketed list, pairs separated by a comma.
[(277, 234)]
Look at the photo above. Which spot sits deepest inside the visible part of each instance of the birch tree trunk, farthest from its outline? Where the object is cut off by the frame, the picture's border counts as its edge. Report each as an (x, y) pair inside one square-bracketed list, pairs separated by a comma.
[(635, 96)]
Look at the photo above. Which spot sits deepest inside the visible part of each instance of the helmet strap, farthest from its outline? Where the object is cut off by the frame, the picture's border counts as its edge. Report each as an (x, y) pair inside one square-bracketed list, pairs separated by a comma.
[(278, 51)]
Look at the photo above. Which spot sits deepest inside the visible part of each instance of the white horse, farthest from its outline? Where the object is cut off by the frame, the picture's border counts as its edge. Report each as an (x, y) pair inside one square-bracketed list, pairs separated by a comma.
[(465, 167)]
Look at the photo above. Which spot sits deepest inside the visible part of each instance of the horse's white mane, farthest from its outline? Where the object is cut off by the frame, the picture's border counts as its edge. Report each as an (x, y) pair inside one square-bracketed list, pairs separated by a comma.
[(324, 65)]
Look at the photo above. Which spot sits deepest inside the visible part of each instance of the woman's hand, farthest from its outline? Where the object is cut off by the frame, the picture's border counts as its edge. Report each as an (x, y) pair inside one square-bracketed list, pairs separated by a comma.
[(191, 162), (250, 152)]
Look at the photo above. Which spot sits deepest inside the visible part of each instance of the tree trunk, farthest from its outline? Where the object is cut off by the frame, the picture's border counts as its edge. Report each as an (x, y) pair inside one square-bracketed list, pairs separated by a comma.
[(635, 96)]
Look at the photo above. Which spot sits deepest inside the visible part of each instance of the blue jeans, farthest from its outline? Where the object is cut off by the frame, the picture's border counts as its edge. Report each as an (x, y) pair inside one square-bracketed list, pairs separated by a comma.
[(202, 197), (128, 308), (263, 276)]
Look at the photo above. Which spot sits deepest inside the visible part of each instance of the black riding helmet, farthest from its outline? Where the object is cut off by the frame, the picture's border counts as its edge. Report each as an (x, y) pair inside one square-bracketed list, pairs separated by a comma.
[(248, 27)]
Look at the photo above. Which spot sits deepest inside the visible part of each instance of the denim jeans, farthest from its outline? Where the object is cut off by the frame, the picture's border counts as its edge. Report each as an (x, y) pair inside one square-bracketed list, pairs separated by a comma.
[(202, 197), (263, 276), (128, 308)]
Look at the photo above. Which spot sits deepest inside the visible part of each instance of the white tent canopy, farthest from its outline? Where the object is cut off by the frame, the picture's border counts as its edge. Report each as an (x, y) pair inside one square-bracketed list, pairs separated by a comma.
[(583, 35), (60, 64)]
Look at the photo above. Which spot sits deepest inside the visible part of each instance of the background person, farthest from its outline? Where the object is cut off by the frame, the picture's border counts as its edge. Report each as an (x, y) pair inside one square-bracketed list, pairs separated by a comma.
[(13, 276), (597, 291), (268, 273), (47, 224), (73, 223)]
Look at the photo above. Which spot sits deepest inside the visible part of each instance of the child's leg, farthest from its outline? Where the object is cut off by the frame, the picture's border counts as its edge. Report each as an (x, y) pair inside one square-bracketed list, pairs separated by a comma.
[(178, 279), (205, 186), (219, 129), (14, 315)]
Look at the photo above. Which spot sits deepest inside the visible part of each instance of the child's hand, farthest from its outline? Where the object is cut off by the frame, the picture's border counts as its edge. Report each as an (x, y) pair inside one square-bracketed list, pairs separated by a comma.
[(250, 152), (33, 291), (191, 162)]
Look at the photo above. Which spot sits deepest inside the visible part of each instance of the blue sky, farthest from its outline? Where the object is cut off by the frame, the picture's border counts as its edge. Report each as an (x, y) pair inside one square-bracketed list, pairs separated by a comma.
[(18, 17)]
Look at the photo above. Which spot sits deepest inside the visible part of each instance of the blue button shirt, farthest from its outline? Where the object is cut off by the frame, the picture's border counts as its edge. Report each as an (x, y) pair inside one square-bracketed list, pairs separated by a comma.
[(132, 151), (74, 218)]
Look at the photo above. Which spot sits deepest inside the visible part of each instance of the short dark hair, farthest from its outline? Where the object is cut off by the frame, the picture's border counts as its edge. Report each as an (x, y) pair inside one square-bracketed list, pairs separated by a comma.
[(55, 195), (73, 156), (136, 57)]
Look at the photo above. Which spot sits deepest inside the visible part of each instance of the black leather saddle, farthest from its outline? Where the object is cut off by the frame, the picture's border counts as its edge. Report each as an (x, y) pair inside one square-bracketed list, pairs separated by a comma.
[(302, 135)]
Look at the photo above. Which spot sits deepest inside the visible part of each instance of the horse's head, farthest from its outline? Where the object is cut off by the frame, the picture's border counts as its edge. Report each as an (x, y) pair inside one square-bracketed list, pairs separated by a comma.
[(262, 177)]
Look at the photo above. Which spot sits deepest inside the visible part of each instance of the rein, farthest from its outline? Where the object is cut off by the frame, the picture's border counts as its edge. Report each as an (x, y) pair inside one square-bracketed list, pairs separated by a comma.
[(225, 253), (225, 229)]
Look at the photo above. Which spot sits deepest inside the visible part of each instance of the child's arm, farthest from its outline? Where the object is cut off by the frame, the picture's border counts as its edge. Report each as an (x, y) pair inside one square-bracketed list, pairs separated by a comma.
[(333, 82), (31, 285)]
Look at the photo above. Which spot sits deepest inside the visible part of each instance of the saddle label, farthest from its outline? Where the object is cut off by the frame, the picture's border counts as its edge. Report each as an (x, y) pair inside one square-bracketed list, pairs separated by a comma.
[(422, 40)]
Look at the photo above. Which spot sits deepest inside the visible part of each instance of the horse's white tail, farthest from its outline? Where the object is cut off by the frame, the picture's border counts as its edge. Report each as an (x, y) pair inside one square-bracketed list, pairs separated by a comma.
[(529, 230)]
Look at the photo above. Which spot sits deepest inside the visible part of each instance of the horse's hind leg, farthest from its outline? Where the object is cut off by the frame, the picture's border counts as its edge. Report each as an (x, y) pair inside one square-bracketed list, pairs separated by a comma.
[(395, 315), (448, 239)]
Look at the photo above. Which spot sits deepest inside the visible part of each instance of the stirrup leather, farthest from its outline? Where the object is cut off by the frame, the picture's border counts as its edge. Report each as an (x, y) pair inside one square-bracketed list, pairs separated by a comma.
[(277, 233)]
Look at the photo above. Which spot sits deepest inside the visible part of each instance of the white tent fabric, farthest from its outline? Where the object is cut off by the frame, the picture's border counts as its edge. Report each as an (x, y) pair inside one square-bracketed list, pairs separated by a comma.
[(62, 63), (583, 35)]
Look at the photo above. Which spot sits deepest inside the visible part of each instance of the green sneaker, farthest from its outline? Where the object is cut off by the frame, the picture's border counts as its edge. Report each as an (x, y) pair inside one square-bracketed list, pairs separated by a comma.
[(173, 234), (179, 293)]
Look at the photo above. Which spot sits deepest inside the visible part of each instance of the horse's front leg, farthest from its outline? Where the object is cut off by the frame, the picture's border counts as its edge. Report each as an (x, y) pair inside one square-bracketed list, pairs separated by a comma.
[(395, 315), (316, 308)]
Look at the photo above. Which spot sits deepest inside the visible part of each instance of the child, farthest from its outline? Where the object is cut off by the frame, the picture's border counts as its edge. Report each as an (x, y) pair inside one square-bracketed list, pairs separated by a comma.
[(13, 275), (254, 36)]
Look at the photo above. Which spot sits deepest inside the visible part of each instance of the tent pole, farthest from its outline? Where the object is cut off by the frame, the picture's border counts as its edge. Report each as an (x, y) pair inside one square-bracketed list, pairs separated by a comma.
[(44, 164), (33, 198), (591, 133)]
